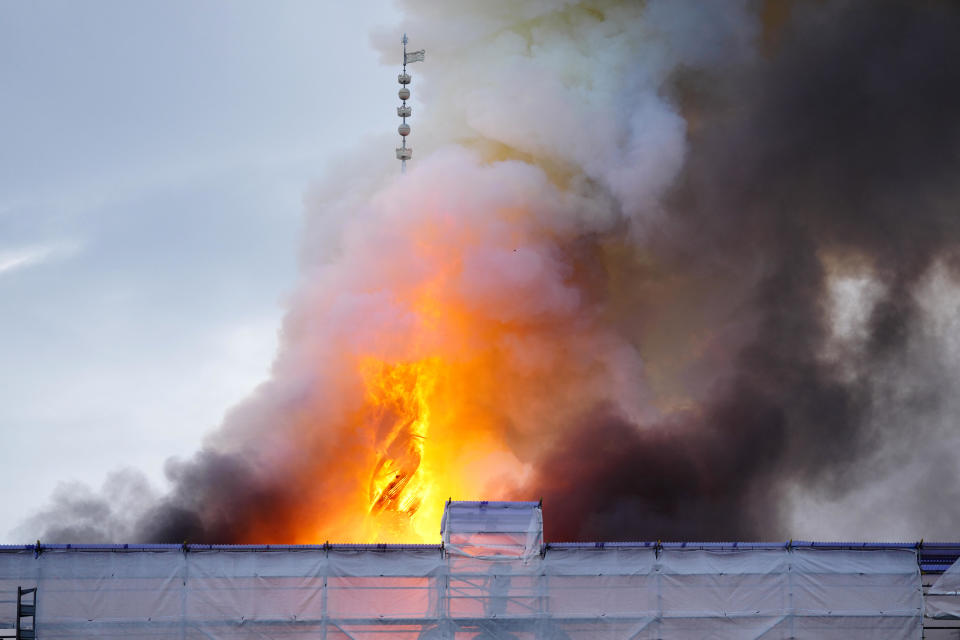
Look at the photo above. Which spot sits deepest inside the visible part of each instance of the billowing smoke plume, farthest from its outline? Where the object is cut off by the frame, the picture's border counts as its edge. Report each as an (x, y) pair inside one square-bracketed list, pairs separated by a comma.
[(685, 270)]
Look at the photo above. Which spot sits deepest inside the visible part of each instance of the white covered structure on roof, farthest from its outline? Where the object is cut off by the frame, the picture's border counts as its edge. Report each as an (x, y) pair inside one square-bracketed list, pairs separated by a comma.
[(492, 578)]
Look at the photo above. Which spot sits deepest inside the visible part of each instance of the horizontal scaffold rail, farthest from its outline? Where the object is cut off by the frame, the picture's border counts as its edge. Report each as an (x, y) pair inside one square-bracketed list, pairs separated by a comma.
[(933, 557)]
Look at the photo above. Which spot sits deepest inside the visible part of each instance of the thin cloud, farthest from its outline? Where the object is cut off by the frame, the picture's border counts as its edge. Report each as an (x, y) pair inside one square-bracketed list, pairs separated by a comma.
[(30, 256)]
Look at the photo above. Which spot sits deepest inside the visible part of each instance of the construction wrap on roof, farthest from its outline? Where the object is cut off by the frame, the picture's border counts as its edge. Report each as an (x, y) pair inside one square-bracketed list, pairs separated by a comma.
[(575, 591), (492, 529), (581, 593), (943, 597)]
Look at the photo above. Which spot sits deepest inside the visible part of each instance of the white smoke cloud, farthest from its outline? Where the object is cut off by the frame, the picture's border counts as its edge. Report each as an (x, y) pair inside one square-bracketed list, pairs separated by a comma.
[(578, 87)]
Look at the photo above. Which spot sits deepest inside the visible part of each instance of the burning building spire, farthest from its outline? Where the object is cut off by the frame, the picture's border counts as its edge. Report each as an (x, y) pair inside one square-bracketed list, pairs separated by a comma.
[(404, 152), (671, 288)]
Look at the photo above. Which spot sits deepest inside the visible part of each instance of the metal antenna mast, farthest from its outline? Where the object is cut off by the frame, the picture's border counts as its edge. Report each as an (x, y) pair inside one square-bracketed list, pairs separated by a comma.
[(404, 152)]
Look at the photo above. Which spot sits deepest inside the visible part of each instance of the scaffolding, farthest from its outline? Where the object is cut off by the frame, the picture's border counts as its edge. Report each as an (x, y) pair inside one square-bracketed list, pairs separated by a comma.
[(491, 578)]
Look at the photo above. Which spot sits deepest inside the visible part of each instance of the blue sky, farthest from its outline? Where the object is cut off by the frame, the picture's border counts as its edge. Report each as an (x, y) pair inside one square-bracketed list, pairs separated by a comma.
[(153, 161)]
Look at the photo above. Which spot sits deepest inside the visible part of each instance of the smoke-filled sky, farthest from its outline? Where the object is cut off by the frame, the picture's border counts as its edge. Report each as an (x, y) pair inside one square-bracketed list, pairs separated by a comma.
[(684, 270)]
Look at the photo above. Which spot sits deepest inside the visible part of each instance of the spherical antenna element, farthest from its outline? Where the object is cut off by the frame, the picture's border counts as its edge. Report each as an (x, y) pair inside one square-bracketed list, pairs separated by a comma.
[(404, 93), (404, 129)]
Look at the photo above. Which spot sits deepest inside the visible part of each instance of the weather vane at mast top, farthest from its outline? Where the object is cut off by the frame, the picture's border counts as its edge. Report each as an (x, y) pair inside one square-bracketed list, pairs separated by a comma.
[(404, 152)]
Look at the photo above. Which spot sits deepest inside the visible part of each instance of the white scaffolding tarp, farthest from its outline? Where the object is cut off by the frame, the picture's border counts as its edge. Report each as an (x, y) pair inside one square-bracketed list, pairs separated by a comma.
[(492, 529), (943, 597), (492, 579), (575, 592)]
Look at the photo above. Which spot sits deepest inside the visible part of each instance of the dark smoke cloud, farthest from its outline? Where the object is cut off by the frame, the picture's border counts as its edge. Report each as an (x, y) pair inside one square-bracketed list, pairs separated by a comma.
[(215, 498), (838, 146), (845, 140)]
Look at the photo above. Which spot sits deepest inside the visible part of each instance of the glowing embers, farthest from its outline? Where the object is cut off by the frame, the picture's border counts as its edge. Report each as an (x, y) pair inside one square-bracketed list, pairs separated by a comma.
[(399, 419)]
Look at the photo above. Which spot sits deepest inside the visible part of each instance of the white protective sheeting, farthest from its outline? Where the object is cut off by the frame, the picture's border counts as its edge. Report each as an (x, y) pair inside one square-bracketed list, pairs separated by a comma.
[(568, 592), (492, 529), (943, 597)]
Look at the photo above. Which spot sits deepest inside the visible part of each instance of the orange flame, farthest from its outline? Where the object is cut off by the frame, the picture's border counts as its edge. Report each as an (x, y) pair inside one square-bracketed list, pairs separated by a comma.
[(398, 402), (461, 372), (426, 445)]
